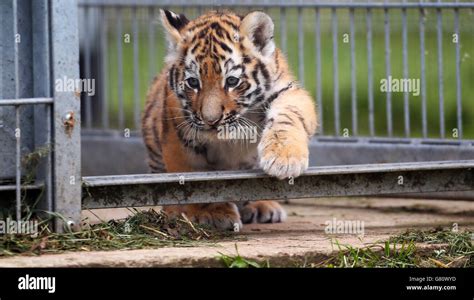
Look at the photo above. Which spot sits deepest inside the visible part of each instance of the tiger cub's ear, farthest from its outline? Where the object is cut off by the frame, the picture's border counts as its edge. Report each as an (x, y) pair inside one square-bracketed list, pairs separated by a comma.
[(173, 23), (258, 27)]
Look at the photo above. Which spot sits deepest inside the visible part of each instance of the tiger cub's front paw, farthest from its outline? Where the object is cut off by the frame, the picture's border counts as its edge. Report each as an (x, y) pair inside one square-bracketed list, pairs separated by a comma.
[(283, 154), (222, 216), (262, 212)]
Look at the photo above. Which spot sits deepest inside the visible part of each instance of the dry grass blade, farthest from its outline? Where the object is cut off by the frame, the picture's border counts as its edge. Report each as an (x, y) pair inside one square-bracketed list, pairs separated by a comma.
[(155, 231), (143, 229)]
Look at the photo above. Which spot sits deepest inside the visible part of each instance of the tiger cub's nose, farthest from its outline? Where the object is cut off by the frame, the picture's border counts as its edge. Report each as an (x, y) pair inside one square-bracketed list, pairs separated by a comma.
[(213, 121)]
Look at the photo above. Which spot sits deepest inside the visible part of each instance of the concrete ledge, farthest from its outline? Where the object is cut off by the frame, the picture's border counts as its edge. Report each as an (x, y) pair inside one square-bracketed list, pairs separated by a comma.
[(301, 237)]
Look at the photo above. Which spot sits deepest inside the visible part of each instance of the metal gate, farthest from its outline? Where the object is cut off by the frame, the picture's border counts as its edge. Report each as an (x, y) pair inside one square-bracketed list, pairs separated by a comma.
[(371, 142)]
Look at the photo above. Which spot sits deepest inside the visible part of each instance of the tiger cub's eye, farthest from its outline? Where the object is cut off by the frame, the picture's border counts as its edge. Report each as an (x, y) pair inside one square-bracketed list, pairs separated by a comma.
[(193, 82), (231, 81)]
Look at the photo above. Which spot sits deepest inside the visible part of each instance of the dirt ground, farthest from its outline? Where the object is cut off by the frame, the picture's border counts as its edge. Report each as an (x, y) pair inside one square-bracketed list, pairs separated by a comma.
[(303, 235)]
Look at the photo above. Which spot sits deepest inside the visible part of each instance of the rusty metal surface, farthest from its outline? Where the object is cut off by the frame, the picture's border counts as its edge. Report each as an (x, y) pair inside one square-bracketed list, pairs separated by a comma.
[(186, 188)]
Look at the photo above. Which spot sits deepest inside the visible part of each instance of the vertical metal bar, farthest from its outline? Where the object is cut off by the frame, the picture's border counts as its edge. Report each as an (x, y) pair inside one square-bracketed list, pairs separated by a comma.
[(388, 71), (369, 71), (458, 75), (424, 118), (120, 68), (283, 41), (319, 94), (49, 158), (3, 11), (18, 159), (16, 49), (440, 72), (87, 67), (337, 123), (67, 129), (151, 42), (406, 105), (300, 46), (136, 87), (104, 68), (353, 74), (42, 88), (17, 116)]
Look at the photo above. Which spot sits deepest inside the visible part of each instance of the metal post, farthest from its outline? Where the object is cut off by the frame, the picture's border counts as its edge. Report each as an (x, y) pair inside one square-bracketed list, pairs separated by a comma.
[(369, 72), (406, 104), (66, 108), (300, 47), (283, 41), (388, 71), (439, 27), (424, 113), (353, 74), (319, 88), (337, 122), (104, 69)]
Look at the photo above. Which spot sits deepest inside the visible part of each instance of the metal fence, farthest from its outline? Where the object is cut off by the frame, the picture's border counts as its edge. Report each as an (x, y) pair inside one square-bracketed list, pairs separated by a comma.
[(37, 121), (356, 152)]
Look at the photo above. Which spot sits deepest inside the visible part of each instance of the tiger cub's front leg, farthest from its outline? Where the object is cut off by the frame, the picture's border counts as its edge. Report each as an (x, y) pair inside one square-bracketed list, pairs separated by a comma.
[(291, 121)]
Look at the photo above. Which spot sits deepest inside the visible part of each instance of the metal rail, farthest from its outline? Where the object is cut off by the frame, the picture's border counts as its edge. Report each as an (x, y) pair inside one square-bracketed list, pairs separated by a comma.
[(186, 188), (272, 4)]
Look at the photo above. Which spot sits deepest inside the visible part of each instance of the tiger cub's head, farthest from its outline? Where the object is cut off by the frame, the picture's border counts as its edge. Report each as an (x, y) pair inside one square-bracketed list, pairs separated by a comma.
[(222, 66)]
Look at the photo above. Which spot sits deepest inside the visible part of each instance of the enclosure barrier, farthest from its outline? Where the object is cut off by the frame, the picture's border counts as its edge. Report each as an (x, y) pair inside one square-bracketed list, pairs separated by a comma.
[(38, 45), (346, 165)]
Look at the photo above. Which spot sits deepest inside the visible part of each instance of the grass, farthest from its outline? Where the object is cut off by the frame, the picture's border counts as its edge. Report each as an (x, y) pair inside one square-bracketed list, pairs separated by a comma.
[(143, 229), (152, 229), (150, 61), (239, 262), (454, 249)]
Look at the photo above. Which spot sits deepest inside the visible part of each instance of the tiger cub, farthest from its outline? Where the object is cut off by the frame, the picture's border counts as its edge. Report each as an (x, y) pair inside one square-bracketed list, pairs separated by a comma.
[(226, 100)]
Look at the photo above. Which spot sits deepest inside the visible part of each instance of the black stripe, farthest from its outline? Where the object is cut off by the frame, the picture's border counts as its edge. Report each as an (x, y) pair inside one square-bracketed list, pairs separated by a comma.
[(231, 24), (198, 149), (154, 156), (265, 73), (277, 62), (164, 120), (256, 92), (171, 77), (286, 116), (148, 109), (193, 49), (228, 61), (224, 46), (276, 94), (176, 79), (300, 117), (255, 76), (285, 123)]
